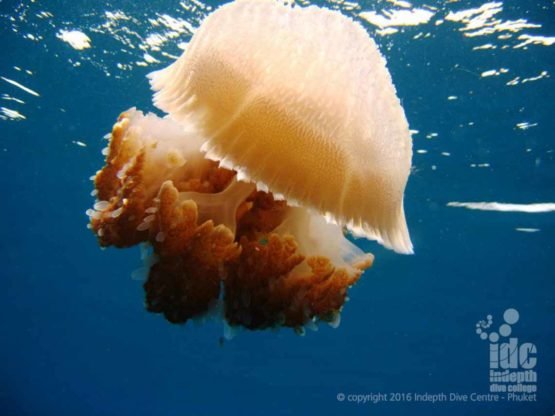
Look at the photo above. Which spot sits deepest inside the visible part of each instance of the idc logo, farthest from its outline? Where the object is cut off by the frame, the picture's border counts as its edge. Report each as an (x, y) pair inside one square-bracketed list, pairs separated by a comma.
[(511, 361)]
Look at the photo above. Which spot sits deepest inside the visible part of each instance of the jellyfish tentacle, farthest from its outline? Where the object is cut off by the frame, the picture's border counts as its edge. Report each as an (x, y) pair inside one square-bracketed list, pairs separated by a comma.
[(277, 264)]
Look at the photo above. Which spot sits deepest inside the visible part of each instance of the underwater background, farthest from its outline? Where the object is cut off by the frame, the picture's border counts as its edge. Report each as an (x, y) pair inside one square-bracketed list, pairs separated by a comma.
[(476, 81)]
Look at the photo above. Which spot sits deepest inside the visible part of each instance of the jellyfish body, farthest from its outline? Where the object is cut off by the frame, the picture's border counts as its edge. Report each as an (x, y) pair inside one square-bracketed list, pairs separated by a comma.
[(299, 101), (283, 128)]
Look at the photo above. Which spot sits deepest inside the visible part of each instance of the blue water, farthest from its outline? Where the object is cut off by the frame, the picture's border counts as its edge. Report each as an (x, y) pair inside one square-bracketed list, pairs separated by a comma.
[(76, 339)]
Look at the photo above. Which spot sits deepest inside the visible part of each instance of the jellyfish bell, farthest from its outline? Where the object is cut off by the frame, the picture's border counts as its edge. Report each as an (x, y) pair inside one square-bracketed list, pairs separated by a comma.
[(299, 101), (274, 142)]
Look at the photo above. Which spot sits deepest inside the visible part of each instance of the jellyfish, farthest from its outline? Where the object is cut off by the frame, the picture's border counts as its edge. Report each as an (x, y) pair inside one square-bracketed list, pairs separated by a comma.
[(283, 133)]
